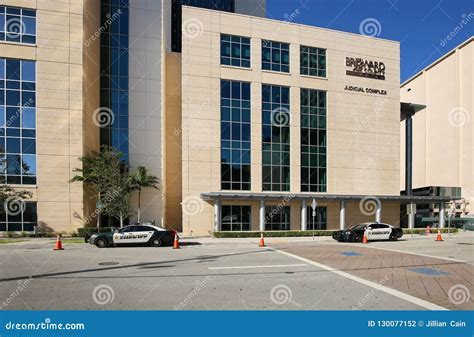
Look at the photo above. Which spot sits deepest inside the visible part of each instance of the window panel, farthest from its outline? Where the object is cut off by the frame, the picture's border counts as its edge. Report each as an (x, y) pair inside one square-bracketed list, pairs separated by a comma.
[(313, 61), (275, 56), (235, 135), (114, 83), (277, 218), (313, 141), (236, 218), (18, 117), (235, 51), (276, 138), (18, 25)]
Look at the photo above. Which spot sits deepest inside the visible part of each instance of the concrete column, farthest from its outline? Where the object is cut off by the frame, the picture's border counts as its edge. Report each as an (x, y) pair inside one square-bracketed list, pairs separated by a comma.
[(378, 212), (342, 216), (262, 215), (411, 219), (442, 215), (218, 215), (304, 215)]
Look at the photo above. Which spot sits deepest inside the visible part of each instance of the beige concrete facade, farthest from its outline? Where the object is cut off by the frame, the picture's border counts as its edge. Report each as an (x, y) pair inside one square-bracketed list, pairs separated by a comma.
[(443, 133), (67, 94), (363, 128)]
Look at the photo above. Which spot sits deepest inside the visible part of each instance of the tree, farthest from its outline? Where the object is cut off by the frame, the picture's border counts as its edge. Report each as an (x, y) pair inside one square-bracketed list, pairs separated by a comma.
[(108, 175), (141, 180)]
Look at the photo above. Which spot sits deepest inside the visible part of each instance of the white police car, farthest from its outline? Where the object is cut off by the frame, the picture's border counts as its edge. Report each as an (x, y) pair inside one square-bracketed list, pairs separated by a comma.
[(134, 235)]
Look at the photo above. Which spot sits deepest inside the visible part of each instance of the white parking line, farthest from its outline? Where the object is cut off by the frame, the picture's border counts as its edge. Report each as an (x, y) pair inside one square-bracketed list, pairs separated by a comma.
[(393, 292), (401, 251), (255, 267)]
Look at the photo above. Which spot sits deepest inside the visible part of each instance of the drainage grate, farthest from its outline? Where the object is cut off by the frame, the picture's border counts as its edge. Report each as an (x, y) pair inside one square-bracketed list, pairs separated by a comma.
[(428, 271), (350, 254), (108, 263)]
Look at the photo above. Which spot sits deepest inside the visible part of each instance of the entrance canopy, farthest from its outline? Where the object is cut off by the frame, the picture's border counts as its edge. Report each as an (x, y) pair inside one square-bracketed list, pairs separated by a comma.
[(403, 199)]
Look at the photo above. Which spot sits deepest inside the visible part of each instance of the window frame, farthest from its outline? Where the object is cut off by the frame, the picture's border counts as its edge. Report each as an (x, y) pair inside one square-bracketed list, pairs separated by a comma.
[(280, 211), (12, 129), (4, 34), (313, 152), (241, 61), (276, 157), (235, 136), (313, 52), (271, 64), (241, 213)]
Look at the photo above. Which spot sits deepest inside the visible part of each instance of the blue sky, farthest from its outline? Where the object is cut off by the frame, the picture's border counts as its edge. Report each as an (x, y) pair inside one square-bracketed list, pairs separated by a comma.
[(421, 26)]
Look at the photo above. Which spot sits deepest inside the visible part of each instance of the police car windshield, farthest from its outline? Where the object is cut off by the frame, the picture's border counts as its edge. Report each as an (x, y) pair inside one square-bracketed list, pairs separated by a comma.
[(359, 226)]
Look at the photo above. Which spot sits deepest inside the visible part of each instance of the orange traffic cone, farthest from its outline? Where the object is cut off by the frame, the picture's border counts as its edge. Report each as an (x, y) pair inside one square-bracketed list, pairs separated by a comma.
[(428, 230), (439, 237), (262, 241), (176, 242), (364, 238), (58, 245)]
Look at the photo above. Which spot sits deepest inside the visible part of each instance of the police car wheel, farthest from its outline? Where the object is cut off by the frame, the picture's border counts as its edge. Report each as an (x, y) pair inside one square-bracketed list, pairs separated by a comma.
[(156, 242), (393, 237), (356, 238), (101, 243)]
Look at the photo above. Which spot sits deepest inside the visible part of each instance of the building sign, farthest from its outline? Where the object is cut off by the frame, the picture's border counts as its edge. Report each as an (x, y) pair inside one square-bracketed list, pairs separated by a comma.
[(365, 68), (372, 91)]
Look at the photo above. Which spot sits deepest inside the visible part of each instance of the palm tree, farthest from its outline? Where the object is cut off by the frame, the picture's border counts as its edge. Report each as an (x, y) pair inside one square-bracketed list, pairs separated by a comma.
[(140, 180)]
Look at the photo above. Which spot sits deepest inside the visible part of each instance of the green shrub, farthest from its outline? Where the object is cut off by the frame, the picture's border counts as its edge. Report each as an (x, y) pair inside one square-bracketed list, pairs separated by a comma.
[(273, 234), (281, 234), (433, 230)]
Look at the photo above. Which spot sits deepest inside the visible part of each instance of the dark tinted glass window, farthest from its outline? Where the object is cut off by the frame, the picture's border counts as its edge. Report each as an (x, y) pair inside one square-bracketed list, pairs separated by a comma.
[(235, 135), (276, 119), (236, 218)]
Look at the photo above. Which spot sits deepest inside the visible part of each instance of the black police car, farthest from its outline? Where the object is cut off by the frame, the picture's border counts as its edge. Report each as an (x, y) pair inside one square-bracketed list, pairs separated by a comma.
[(375, 231), (134, 235)]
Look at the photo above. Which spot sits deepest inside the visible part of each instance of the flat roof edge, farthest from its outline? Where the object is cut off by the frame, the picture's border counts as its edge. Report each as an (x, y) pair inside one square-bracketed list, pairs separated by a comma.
[(431, 65), (301, 196), (395, 42)]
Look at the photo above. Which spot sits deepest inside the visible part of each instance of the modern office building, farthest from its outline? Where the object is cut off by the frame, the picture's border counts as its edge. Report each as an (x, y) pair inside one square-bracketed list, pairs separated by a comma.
[(78, 74), (443, 132), (245, 120)]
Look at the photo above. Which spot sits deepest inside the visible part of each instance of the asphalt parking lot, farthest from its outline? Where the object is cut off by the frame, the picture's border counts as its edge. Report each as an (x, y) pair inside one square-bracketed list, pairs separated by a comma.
[(212, 274)]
